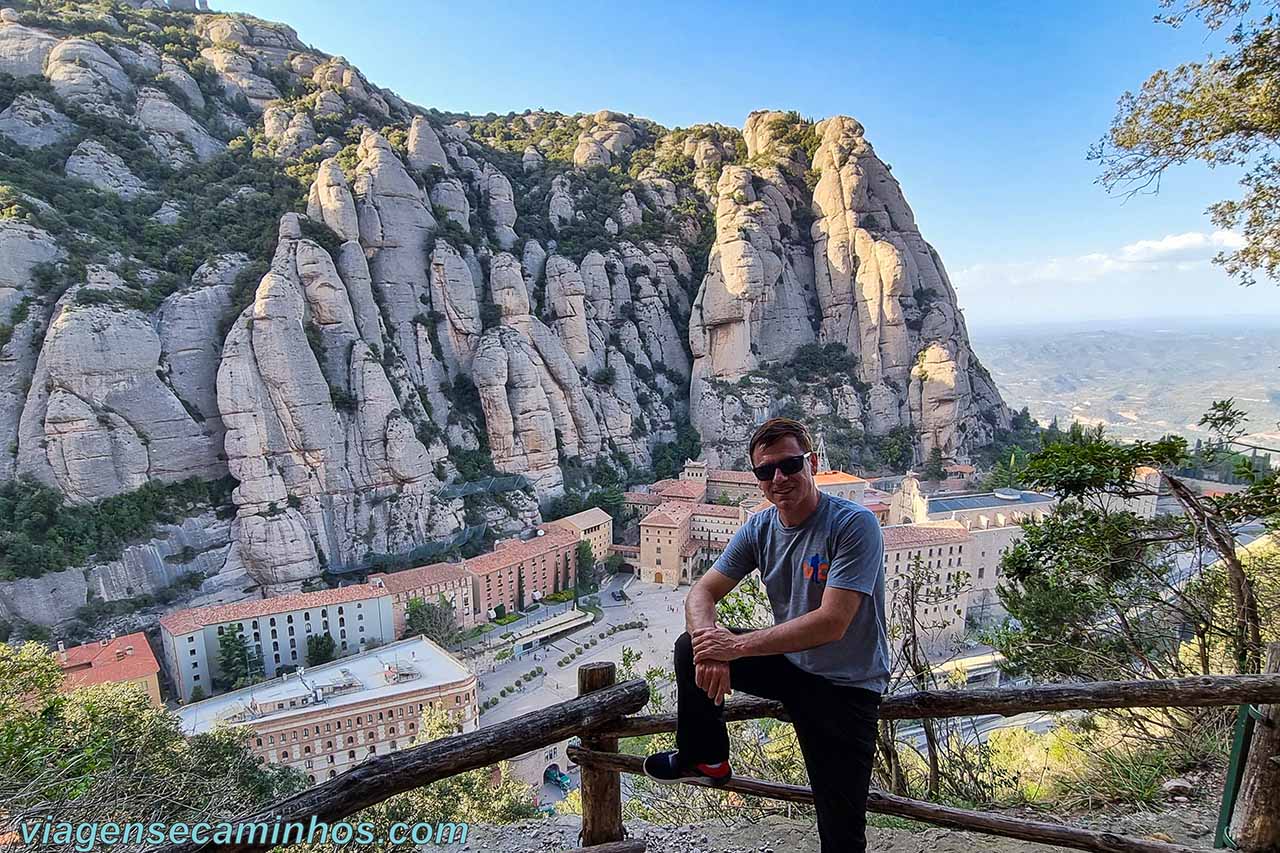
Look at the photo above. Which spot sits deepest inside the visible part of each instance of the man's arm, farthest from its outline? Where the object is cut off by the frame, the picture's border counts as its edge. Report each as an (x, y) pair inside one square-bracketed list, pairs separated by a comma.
[(700, 603), (817, 628), (699, 614)]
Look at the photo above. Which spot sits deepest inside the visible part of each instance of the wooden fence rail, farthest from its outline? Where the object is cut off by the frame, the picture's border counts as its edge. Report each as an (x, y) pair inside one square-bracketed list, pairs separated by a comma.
[(885, 803), (1198, 692), (599, 717)]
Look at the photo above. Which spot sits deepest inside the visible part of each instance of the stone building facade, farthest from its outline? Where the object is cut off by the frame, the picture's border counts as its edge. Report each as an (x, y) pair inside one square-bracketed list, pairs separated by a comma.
[(275, 632), (328, 719)]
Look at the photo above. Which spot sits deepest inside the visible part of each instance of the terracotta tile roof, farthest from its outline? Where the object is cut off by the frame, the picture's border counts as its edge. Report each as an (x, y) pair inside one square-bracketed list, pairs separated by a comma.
[(684, 489), (625, 549), (669, 514), (641, 498), (584, 520), (691, 547), (924, 535), (959, 468), (657, 487), (727, 476), (186, 621), (512, 552), (122, 659), (835, 478), (420, 577), (717, 510)]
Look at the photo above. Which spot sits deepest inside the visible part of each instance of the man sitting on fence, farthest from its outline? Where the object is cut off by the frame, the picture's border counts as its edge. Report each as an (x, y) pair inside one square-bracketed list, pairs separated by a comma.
[(821, 559)]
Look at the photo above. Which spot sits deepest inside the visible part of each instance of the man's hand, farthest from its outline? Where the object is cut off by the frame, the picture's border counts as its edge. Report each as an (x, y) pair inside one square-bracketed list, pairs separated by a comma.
[(713, 678), (714, 643)]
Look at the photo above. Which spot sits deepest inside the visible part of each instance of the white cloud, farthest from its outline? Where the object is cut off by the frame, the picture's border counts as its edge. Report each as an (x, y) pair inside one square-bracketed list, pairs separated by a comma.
[(1165, 277), (1143, 256), (1189, 246)]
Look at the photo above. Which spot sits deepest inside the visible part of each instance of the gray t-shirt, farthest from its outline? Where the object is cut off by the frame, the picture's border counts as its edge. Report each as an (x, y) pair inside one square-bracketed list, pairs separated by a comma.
[(841, 546)]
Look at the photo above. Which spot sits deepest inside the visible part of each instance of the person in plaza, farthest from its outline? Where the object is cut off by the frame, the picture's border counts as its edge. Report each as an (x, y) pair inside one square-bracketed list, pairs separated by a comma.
[(821, 561)]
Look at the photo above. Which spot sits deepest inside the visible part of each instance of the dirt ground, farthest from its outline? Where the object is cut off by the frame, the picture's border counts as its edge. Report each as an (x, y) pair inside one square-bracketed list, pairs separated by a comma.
[(1188, 823)]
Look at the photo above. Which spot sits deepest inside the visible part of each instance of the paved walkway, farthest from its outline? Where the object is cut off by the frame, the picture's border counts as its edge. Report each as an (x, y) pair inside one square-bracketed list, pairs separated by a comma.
[(662, 607)]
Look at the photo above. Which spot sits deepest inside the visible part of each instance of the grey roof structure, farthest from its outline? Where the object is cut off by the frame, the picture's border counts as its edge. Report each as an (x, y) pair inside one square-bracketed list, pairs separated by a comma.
[(986, 500)]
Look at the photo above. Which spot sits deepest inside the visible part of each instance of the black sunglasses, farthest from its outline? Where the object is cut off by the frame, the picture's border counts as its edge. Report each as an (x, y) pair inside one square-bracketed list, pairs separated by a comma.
[(790, 465)]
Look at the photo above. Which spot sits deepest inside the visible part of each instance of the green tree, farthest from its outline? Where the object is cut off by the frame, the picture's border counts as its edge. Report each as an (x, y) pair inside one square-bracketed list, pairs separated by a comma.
[(935, 467), (435, 621), (1006, 474), (1220, 111), (669, 456), (234, 665), (586, 580), (105, 753), (1096, 591), (320, 649)]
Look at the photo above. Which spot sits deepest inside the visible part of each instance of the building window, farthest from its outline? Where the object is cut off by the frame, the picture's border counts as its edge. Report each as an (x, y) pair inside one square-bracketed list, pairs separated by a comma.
[(191, 638), (195, 677), (328, 744), (284, 755), (289, 619), (195, 664), (351, 754), (272, 621)]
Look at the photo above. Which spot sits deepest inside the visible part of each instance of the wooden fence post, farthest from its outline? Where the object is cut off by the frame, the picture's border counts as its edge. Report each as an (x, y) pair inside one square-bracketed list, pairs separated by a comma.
[(1257, 820), (601, 789)]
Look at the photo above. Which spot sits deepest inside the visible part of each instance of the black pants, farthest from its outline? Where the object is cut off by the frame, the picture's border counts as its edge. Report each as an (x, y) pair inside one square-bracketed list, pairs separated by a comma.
[(835, 725)]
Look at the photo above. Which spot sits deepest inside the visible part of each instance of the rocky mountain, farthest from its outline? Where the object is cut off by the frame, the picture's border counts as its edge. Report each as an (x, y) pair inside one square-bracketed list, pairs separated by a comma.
[(227, 256)]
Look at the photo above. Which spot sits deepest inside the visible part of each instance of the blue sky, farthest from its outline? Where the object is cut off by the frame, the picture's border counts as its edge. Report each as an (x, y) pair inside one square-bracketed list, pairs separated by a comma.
[(984, 110)]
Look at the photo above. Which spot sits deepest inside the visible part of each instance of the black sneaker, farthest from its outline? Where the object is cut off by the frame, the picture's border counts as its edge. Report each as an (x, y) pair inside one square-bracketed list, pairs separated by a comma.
[(666, 768)]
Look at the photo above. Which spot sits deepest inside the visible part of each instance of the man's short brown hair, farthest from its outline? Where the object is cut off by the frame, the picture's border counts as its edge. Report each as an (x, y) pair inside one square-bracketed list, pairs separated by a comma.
[(775, 428)]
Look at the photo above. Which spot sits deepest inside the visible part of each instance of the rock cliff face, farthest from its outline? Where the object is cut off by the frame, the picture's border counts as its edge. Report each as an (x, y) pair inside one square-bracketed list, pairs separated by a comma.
[(841, 265), (224, 254)]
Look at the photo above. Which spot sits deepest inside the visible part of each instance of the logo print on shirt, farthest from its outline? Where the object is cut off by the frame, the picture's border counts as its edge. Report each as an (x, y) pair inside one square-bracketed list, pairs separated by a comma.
[(816, 568)]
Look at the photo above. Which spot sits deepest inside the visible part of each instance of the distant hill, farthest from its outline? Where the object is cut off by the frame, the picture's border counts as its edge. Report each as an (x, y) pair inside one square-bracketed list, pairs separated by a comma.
[(1139, 380)]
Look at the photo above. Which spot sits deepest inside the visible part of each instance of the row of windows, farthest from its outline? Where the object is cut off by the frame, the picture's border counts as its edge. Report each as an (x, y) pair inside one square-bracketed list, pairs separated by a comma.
[(360, 721), (306, 615)]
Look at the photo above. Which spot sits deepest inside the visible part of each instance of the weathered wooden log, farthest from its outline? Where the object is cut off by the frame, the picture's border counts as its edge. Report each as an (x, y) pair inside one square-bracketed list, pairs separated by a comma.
[(883, 803), (613, 847), (387, 775), (601, 789), (1256, 826), (1197, 692)]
